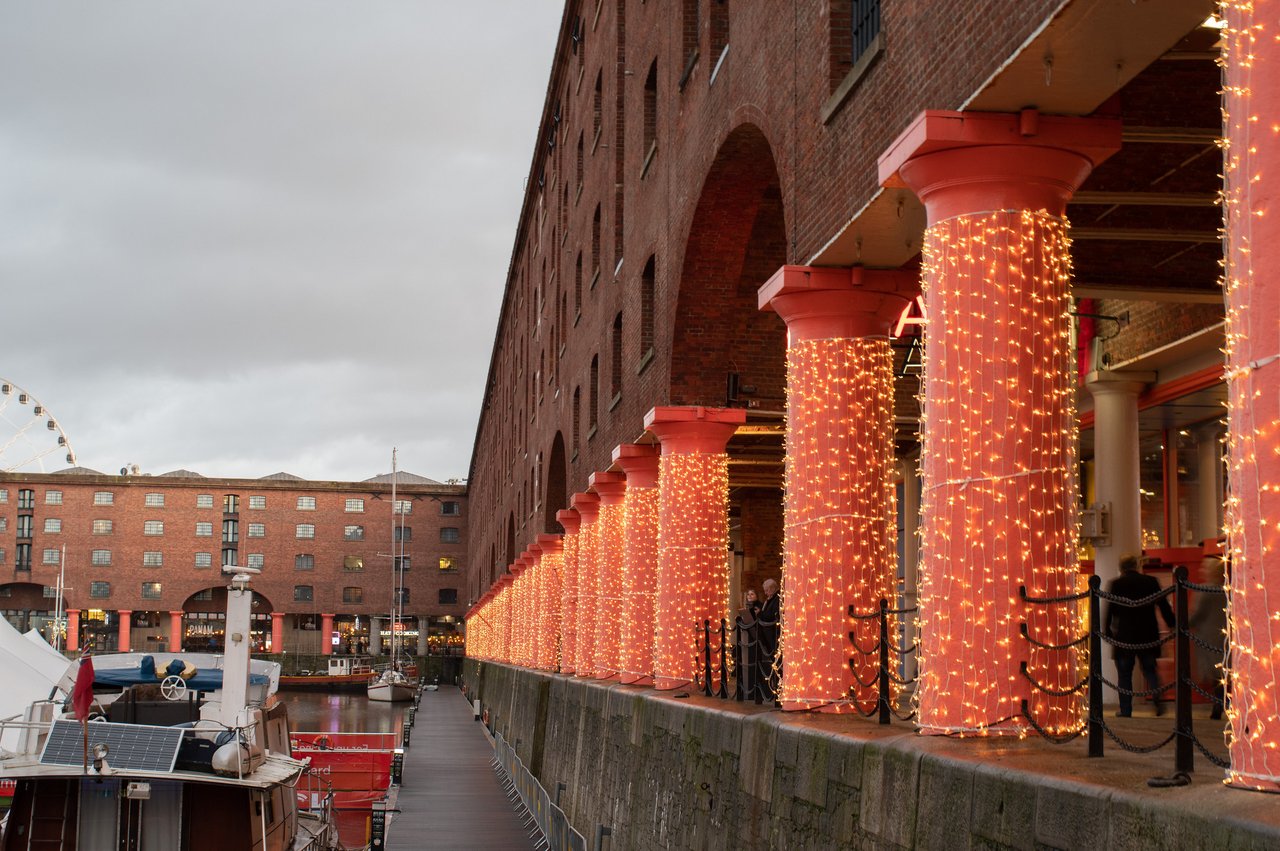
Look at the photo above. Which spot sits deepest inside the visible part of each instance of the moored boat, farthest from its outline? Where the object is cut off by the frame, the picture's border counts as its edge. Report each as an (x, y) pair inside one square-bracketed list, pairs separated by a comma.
[(392, 687), (345, 673), (175, 771)]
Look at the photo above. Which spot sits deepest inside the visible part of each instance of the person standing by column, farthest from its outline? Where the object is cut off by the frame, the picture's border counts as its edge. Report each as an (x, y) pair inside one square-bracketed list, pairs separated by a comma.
[(769, 621), (1132, 627)]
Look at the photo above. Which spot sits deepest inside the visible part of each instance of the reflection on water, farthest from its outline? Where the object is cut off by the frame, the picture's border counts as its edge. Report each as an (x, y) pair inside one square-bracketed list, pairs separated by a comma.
[(352, 712)]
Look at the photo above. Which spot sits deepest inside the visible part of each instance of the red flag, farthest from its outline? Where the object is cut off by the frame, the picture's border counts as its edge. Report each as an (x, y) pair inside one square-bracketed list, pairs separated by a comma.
[(82, 694)]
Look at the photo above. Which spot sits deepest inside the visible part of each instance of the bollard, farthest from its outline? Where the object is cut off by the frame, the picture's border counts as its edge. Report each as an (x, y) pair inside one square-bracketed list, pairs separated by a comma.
[(404, 735), (378, 825), (475, 708), (397, 766), (413, 715)]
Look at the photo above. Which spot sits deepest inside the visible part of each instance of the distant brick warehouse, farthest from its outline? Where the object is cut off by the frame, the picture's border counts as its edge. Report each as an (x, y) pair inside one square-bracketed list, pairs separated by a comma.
[(689, 150), (144, 557)]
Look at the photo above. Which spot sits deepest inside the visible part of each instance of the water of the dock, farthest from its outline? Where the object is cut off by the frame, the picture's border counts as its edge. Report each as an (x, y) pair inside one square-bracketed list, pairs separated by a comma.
[(451, 799)]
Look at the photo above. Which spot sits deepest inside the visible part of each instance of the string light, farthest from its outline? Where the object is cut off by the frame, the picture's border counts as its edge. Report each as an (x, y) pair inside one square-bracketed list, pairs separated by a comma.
[(999, 498), (588, 507), (569, 519), (550, 578), (639, 561), (1253, 360), (610, 537), (840, 530)]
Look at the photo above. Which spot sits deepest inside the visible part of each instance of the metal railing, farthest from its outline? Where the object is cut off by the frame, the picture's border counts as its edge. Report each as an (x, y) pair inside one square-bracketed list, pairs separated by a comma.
[(745, 656), (885, 679), (1184, 686)]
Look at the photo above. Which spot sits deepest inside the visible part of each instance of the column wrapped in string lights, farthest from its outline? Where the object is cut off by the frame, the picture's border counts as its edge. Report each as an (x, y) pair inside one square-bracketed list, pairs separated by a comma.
[(639, 462), (610, 538), (693, 533), (505, 628), (551, 568), (840, 525), (570, 520), (998, 431), (588, 507), (1251, 118), (533, 599), (521, 612)]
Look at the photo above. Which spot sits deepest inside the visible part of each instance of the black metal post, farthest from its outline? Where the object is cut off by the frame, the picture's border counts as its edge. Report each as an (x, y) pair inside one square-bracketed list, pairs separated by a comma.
[(706, 656), (724, 668), (885, 696), (1184, 756), (739, 692), (1095, 667)]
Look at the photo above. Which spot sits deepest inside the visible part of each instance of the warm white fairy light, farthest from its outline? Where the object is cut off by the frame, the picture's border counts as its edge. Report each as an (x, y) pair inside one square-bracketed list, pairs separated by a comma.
[(840, 523), (1250, 106), (569, 519), (550, 591), (639, 576), (588, 588), (610, 535), (999, 498)]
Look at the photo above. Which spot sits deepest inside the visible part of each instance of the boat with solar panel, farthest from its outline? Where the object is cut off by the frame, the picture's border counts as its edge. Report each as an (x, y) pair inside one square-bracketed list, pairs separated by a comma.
[(167, 756)]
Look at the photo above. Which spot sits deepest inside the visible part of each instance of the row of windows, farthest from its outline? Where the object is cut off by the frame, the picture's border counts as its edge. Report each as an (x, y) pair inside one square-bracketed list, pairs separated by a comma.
[(101, 590), (302, 561), (230, 530), (230, 502)]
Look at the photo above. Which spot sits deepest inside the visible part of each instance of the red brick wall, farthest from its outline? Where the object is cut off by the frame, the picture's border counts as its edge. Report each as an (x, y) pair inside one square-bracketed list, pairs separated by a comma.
[(744, 172), (179, 577)]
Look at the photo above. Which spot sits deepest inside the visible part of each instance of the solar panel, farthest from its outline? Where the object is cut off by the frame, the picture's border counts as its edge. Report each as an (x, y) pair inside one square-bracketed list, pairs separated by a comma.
[(130, 747)]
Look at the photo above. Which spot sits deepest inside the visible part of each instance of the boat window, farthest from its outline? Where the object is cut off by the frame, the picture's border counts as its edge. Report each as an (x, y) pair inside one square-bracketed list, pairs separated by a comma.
[(99, 811), (162, 817)]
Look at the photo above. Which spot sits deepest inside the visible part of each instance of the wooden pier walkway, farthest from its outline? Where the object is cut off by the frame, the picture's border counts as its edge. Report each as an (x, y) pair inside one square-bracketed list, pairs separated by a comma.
[(451, 799)]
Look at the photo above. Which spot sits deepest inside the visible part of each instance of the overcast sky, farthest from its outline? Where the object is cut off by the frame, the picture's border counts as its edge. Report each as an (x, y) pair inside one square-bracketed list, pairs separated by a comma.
[(247, 236)]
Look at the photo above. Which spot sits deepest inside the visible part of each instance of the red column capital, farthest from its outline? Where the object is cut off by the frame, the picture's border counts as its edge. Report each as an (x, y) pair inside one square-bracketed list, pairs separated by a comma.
[(693, 429), (570, 519), (610, 487), (587, 505), (819, 303), (970, 162), (550, 544), (639, 462)]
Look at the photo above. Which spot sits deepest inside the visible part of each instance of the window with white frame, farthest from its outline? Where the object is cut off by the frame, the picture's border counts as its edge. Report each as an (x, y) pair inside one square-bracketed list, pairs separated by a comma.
[(153, 527), (153, 559), (104, 498), (204, 559), (449, 535), (154, 500), (102, 527), (451, 508), (403, 506), (306, 503), (51, 555), (257, 503), (354, 506), (53, 497), (204, 530), (306, 530), (304, 561), (99, 590), (204, 500), (151, 590), (52, 525), (303, 593), (353, 533), (4, 495), (101, 558), (257, 530), (254, 560)]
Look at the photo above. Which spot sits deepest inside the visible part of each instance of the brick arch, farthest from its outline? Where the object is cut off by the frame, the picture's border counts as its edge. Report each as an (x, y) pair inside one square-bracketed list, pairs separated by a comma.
[(219, 602), (556, 492), (737, 239), (29, 596)]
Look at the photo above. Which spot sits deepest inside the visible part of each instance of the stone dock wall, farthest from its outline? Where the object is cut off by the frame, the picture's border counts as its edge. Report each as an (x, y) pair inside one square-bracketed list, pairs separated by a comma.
[(667, 773)]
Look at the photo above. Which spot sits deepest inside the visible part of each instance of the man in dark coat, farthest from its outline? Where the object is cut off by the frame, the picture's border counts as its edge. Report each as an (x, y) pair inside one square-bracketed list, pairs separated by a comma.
[(1132, 625), (769, 619)]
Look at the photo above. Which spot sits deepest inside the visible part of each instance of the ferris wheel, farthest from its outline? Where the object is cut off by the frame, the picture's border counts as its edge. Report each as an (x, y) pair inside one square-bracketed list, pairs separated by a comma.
[(29, 434)]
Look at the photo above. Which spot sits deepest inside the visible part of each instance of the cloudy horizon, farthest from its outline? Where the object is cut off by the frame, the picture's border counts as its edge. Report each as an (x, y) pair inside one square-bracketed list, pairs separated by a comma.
[(244, 239)]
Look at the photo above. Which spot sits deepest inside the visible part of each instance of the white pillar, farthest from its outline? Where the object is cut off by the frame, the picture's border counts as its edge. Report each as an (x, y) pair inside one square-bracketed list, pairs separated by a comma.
[(1116, 465), (1211, 469), (375, 636)]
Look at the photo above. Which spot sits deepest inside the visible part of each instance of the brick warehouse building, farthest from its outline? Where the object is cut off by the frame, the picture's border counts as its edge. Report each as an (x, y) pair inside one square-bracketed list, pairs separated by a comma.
[(143, 558), (729, 203)]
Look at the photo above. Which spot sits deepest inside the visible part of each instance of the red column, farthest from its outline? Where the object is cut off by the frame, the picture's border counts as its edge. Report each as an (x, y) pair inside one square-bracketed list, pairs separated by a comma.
[(998, 434), (530, 608), (569, 519), (693, 533), (588, 506), (520, 610), (277, 632), (326, 634), (551, 567), (1251, 111), (840, 526), (610, 538), (125, 630), (505, 628), (175, 632), (73, 631), (639, 560)]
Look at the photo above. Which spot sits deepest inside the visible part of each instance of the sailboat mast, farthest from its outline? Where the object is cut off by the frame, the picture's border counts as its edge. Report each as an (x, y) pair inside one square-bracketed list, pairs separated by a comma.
[(395, 583)]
